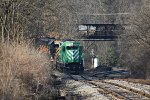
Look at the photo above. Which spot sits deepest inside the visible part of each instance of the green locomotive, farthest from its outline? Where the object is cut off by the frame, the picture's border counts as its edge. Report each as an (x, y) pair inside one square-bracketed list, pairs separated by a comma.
[(70, 57)]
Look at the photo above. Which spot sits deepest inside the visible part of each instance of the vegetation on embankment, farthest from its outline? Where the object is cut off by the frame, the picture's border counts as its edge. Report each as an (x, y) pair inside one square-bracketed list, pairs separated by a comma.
[(136, 44), (24, 73)]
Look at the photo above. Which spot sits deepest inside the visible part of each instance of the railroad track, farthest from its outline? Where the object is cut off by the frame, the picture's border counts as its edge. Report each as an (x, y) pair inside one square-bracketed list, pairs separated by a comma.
[(140, 81), (117, 91)]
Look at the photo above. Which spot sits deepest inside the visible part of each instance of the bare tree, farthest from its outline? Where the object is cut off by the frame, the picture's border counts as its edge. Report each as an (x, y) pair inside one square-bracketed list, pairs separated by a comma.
[(134, 44)]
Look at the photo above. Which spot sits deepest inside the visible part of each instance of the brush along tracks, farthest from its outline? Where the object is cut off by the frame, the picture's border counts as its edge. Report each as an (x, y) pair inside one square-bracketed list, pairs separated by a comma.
[(117, 91)]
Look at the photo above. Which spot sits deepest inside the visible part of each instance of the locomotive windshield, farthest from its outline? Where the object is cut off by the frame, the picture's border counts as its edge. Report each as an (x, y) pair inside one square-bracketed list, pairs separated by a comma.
[(72, 47)]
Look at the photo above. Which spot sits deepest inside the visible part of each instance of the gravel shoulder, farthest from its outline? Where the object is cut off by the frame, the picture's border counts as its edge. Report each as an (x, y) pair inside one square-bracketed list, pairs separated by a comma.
[(137, 86), (81, 90), (84, 91)]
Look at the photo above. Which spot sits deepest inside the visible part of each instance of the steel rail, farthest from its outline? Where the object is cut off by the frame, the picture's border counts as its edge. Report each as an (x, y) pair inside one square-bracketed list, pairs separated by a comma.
[(114, 94), (130, 89), (142, 93)]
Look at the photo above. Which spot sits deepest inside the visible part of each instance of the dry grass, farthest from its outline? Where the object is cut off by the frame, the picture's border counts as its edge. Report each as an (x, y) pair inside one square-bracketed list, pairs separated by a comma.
[(24, 72)]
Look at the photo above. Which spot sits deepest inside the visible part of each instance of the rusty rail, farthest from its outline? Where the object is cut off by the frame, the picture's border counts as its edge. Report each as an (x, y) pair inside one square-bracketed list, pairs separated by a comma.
[(130, 89)]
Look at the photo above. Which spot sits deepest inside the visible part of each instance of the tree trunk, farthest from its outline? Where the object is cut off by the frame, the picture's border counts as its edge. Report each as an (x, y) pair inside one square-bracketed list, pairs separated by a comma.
[(2, 37)]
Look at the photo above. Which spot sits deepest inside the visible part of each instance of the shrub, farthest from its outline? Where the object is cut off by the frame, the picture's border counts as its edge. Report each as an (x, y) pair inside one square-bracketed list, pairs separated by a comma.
[(24, 72)]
